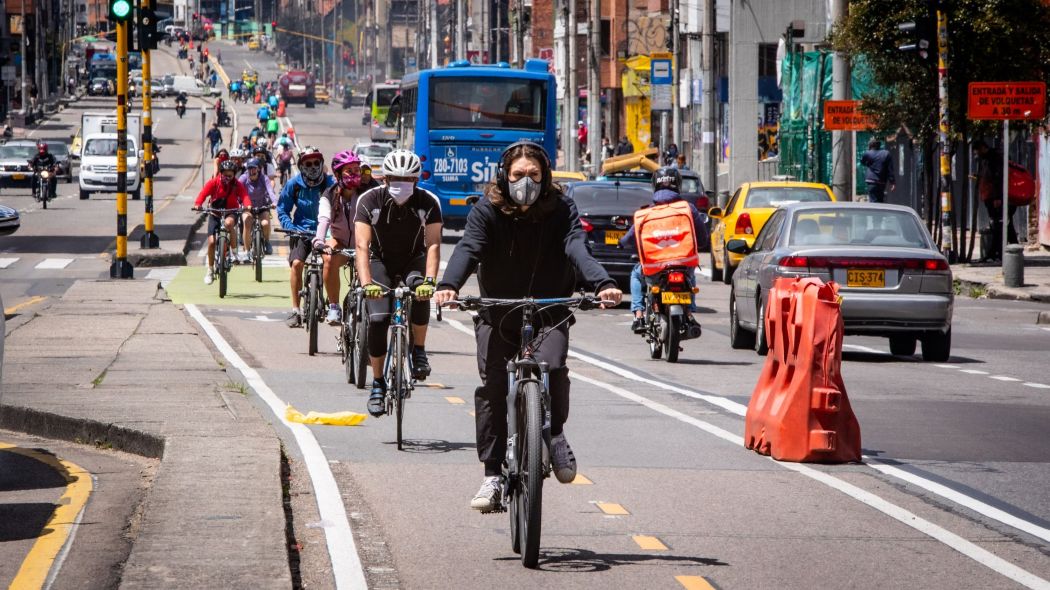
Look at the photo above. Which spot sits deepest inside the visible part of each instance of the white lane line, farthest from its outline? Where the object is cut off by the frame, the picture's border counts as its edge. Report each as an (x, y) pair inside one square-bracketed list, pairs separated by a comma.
[(947, 366), (1003, 378), (1037, 385), (908, 518), (346, 565), (860, 348), (741, 410), (974, 372), (53, 263), (6, 262)]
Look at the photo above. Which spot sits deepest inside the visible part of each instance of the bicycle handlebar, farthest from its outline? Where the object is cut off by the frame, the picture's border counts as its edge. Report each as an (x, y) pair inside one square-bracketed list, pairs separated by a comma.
[(295, 232), (473, 303)]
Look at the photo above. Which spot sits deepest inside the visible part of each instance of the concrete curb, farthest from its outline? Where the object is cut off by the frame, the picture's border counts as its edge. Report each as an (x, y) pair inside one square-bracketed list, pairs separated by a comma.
[(999, 291), (80, 431)]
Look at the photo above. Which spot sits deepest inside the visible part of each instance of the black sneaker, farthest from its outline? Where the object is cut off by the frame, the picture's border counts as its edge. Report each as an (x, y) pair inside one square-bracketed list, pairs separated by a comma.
[(420, 364), (377, 401), (294, 320), (267, 248), (638, 326)]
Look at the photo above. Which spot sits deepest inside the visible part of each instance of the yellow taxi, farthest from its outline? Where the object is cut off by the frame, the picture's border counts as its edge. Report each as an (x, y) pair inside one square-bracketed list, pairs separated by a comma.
[(563, 176), (74, 147), (746, 213), (321, 94), (253, 44)]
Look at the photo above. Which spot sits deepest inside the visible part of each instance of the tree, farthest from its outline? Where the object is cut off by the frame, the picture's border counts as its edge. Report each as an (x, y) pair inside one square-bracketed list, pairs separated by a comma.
[(989, 40)]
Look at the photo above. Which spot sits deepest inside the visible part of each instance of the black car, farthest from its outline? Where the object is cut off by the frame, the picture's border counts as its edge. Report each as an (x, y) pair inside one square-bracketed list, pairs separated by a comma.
[(607, 212)]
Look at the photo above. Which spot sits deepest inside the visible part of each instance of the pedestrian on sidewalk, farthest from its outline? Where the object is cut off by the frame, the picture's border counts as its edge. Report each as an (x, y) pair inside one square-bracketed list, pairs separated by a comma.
[(215, 138), (880, 171), (990, 189), (623, 147)]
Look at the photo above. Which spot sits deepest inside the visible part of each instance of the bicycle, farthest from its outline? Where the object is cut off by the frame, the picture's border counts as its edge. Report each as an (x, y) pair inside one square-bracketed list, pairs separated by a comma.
[(397, 370), (258, 245), (353, 329), (527, 462), (223, 247), (311, 294)]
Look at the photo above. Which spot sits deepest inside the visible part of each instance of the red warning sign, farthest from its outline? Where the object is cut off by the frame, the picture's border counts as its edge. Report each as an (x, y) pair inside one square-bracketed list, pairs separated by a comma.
[(845, 115), (1006, 100)]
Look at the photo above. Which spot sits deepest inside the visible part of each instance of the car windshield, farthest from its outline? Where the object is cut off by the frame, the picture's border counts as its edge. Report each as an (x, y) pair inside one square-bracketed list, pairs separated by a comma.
[(59, 149), (99, 81), (375, 151), (169, 79), (106, 147), (690, 185), (488, 103), (610, 198), (780, 196), (17, 152), (857, 227)]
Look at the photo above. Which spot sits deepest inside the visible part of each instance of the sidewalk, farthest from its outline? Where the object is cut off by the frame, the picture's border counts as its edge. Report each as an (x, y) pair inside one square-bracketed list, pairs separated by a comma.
[(989, 278), (113, 363)]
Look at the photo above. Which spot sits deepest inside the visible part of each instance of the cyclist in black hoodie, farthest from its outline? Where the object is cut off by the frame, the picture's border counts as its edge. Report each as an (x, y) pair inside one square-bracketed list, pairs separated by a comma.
[(527, 239)]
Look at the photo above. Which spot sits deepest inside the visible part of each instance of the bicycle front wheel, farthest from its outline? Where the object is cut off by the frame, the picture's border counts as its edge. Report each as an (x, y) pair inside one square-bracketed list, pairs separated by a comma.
[(220, 263), (313, 297), (360, 345), (346, 339), (257, 253), (400, 383), (529, 495)]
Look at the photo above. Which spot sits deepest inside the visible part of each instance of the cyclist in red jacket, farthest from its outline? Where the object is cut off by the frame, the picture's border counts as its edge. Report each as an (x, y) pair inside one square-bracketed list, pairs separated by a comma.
[(223, 191)]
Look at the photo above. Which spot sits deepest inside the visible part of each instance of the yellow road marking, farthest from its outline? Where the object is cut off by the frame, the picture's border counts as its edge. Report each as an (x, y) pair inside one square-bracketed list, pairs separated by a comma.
[(649, 543), (612, 508), (454, 400), (24, 304), (694, 583), (432, 385), (45, 550), (580, 480)]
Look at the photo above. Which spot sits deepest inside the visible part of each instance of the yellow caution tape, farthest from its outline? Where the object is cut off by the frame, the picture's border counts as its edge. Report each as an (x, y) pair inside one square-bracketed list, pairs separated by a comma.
[(332, 419)]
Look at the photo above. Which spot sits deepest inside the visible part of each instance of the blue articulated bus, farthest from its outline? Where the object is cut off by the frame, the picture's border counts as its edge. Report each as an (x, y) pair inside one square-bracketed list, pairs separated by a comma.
[(460, 118)]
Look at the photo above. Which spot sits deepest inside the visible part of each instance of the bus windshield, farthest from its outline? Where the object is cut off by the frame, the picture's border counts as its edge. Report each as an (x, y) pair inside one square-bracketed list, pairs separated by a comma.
[(488, 103)]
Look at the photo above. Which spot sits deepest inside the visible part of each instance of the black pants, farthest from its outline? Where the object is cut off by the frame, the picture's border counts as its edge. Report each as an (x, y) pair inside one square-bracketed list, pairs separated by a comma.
[(495, 348), (379, 309), (995, 225)]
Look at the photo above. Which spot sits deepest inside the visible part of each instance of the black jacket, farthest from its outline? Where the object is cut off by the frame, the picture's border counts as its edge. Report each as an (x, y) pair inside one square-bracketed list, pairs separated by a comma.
[(520, 256), (879, 165), (46, 160)]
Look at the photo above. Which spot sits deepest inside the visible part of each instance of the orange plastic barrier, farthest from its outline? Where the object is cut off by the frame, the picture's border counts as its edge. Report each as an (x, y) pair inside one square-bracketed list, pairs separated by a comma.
[(281, 107), (799, 410)]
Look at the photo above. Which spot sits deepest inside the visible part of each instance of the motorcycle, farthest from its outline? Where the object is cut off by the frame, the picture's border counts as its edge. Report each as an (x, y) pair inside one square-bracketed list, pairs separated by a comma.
[(223, 118), (180, 108), (348, 97), (44, 185), (666, 321)]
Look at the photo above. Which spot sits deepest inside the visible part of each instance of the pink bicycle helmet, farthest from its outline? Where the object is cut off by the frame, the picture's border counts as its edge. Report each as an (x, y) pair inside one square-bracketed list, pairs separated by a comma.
[(344, 158)]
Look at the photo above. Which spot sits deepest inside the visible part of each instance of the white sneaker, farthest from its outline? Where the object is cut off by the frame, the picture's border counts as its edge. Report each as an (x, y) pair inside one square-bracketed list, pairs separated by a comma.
[(247, 257), (487, 498), (562, 458), (334, 316), (209, 276)]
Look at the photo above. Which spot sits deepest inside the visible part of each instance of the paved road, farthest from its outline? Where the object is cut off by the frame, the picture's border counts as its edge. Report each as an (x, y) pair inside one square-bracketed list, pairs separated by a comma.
[(953, 495)]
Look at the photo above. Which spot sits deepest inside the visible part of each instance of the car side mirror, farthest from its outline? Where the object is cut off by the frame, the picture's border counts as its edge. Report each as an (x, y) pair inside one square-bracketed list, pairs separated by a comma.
[(715, 212), (738, 246)]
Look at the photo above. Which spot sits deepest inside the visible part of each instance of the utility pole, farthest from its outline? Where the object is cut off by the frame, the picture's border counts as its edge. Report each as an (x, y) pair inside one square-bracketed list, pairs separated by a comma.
[(841, 141), (708, 151), (25, 58), (568, 144), (947, 229), (121, 268), (519, 37), (435, 34), (594, 91), (461, 26), (676, 108), (149, 238), (567, 119)]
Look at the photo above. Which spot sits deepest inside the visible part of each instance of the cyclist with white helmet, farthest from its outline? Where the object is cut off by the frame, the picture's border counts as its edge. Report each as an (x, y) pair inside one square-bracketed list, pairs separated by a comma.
[(335, 225), (397, 231), (261, 151), (297, 208)]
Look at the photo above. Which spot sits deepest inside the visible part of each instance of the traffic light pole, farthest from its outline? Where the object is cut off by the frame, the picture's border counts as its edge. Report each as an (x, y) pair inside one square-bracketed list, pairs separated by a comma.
[(121, 268), (947, 229), (149, 238)]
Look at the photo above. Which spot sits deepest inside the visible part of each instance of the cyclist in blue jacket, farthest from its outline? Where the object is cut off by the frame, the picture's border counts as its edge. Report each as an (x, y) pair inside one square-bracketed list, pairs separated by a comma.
[(297, 209)]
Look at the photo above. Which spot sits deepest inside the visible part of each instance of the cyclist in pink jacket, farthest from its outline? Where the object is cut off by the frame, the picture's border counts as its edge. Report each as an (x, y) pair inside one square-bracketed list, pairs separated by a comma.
[(335, 225)]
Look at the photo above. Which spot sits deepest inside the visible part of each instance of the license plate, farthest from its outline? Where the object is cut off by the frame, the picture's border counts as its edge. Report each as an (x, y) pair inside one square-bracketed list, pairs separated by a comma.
[(109, 179), (674, 298), (612, 236), (18, 177), (865, 278)]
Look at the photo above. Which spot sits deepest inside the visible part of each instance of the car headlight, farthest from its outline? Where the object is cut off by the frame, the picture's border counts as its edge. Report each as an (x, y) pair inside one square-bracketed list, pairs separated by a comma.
[(88, 168)]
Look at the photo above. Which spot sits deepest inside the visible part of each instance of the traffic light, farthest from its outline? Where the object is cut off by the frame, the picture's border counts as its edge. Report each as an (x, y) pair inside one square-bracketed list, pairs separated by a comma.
[(917, 37), (120, 10), (147, 29), (448, 45)]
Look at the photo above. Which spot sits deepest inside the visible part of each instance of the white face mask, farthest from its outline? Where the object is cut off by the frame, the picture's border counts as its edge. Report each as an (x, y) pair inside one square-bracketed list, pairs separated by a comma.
[(401, 191)]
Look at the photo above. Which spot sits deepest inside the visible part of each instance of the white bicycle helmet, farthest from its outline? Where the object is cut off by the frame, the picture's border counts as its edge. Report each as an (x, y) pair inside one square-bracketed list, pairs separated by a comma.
[(238, 153), (262, 142), (402, 163)]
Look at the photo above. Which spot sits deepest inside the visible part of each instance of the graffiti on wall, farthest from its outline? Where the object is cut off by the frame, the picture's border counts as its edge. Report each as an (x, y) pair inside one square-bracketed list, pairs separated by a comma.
[(646, 34)]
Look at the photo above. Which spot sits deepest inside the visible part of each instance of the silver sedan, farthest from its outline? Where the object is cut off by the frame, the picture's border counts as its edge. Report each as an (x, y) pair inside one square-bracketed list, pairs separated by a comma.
[(892, 280)]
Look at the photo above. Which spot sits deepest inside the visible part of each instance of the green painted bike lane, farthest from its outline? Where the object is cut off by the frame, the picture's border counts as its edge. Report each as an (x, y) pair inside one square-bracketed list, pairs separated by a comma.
[(242, 289)]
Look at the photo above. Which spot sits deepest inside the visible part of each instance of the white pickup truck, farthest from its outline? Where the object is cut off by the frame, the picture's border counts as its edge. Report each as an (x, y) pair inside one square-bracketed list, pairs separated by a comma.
[(98, 154)]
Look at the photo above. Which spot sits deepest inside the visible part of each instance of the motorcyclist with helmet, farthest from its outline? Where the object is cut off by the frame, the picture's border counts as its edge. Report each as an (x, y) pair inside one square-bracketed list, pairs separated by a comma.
[(45, 160)]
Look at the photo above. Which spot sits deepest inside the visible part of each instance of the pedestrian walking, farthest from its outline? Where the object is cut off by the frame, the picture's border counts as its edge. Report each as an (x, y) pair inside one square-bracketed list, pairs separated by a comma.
[(990, 189), (607, 148), (581, 136), (214, 138), (880, 171), (623, 147)]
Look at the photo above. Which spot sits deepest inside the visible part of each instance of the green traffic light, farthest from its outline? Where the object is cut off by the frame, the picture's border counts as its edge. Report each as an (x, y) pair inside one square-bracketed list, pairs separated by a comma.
[(121, 9)]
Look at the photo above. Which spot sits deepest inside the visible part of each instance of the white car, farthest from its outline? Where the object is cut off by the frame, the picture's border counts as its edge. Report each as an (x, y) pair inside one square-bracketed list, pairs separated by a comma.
[(191, 86), (373, 154), (98, 165)]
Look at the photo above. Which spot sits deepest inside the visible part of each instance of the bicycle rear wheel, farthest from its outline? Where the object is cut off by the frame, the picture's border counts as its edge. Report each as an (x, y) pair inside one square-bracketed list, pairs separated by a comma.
[(346, 339), (220, 263), (257, 252), (530, 476)]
